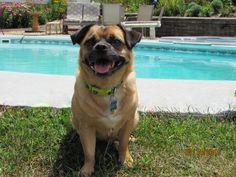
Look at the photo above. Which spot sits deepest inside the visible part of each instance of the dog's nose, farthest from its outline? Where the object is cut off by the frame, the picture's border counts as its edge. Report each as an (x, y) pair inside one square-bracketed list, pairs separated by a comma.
[(101, 46)]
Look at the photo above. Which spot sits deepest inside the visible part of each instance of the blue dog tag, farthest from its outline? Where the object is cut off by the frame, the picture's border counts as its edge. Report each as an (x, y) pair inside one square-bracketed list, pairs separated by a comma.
[(113, 104)]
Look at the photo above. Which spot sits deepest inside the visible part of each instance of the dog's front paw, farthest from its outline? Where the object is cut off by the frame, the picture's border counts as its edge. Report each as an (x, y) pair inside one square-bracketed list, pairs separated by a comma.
[(86, 171), (127, 160)]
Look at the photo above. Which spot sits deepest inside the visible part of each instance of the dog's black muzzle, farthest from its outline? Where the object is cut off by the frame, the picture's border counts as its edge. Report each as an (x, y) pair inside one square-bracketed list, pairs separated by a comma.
[(104, 60)]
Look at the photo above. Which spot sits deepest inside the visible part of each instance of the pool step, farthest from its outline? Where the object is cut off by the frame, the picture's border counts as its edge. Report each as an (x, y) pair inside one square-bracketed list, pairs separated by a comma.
[(6, 41)]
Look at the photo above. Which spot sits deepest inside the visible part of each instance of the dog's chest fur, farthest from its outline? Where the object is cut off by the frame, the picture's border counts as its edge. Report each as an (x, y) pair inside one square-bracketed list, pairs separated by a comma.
[(110, 121)]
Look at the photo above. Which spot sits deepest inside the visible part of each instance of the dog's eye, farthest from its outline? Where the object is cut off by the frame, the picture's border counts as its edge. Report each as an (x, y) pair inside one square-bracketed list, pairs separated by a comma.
[(91, 42), (116, 43)]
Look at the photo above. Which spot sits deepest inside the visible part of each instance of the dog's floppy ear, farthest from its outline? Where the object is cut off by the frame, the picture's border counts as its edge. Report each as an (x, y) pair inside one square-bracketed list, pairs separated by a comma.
[(79, 35), (131, 37)]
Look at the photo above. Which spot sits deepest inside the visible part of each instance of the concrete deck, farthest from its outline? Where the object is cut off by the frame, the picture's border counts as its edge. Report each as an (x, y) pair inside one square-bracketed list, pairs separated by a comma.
[(23, 89)]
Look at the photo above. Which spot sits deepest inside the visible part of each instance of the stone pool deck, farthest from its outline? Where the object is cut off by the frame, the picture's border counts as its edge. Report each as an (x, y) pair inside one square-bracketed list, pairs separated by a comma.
[(23, 89)]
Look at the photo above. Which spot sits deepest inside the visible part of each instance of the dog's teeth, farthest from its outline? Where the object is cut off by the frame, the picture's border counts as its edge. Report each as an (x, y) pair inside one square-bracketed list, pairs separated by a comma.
[(113, 64), (92, 68)]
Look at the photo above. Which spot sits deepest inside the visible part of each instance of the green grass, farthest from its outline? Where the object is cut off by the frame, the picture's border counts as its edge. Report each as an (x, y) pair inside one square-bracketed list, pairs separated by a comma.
[(40, 142)]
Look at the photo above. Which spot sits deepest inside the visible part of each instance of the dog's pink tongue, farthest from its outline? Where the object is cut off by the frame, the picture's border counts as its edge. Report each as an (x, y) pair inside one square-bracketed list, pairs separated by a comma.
[(99, 68)]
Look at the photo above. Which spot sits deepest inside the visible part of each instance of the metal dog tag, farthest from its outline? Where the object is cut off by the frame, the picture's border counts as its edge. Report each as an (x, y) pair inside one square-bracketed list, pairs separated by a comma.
[(113, 104)]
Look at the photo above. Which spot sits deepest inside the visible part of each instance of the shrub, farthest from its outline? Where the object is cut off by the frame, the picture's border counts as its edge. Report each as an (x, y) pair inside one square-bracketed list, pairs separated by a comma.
[(200, 2), (132, 6), (227, 2), (193, 10), (190, 5), (56, 10), (225, 12), (16, 15), (217, 5), (206, 11), (173, 7)]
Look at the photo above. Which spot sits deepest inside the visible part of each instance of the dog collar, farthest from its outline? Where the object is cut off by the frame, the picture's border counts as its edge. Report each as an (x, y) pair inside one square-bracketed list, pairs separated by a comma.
[(102, 92)]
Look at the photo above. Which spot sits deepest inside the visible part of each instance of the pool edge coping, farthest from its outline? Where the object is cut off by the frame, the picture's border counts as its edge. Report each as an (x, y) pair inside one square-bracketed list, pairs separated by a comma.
[(156, 95)]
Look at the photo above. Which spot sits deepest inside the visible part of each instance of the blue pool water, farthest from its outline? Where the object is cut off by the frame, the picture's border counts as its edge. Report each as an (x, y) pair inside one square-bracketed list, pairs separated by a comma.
[(165, 61)]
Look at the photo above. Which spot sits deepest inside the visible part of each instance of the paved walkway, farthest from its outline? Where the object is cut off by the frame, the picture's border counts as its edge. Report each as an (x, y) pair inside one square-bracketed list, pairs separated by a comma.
[(22, 31), (155, 94)]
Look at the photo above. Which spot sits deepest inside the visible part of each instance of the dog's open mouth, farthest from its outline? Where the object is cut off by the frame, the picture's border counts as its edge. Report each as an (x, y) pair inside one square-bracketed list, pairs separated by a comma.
[(105, 66), (102, 67)]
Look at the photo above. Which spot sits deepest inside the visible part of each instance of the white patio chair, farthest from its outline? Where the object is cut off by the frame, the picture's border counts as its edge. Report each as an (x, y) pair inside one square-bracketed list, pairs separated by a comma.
[(74, 15), (91, 13), (112, 14), (144, 20)]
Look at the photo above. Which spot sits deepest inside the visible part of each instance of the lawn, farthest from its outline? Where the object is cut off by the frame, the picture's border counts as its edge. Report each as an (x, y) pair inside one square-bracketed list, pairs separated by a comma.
[(41, 142)]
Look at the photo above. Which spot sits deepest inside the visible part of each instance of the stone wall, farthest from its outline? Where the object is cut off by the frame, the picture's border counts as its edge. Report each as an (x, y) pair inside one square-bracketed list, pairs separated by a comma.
[(196, 26)]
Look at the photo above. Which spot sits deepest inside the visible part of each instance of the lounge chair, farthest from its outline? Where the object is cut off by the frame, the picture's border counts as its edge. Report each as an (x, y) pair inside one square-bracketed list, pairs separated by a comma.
[(74, 15), (81, 14), (144, 20), (91, 13), (112, 14), (1, 18)]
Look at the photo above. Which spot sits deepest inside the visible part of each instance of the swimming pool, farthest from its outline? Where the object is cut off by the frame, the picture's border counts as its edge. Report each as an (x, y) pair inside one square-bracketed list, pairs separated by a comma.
[(52, 55)]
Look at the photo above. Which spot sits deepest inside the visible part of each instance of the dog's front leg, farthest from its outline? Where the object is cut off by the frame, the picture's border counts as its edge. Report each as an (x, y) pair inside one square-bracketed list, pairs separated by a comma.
[(88, 141), (123, 138)]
